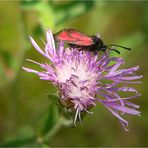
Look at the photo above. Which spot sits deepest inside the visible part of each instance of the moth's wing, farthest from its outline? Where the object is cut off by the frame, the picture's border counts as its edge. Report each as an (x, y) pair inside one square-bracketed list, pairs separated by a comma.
[(72, 36)]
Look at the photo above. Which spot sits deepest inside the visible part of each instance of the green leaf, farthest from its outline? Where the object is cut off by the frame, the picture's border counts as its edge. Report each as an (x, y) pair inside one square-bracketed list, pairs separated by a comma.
[(53, 98), (7, 57), (46, 15), (53, 114), (7, 67), (25, 135), (71, 10), (19, 142), (29, 4), (44, 12)]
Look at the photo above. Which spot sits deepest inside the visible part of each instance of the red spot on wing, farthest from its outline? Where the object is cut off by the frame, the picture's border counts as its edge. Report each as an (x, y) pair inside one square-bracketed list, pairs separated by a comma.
[(64, 36), (74, 37), (82, 39)]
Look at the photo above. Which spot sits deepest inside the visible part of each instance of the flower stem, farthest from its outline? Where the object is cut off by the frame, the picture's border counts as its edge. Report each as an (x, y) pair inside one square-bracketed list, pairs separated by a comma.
[(61, 121)]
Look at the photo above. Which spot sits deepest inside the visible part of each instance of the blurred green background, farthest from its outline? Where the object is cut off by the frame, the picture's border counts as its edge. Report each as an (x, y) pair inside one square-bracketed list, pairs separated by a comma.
[(26, 113)]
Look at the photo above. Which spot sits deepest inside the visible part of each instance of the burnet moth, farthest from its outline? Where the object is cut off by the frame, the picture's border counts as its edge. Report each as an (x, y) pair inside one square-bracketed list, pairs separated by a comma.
[(81, 41)]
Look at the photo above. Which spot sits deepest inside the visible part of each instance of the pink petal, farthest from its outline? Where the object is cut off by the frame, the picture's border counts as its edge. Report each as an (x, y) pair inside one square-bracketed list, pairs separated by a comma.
[(37, 47), (124, 109)]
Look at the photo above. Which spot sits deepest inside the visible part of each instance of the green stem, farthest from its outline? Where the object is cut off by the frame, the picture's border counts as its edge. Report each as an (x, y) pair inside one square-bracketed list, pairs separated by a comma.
[(61, 121)]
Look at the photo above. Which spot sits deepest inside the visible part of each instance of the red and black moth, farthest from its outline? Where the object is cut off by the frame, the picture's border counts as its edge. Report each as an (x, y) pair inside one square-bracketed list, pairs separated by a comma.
[(81, 41)]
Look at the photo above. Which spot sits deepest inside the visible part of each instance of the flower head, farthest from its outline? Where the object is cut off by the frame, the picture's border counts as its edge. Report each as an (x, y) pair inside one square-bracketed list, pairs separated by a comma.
[(83, 79)]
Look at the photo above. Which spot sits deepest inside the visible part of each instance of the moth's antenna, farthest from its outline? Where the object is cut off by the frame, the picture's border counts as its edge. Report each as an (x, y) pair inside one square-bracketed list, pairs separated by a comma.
[(120, 46), (114, 50)]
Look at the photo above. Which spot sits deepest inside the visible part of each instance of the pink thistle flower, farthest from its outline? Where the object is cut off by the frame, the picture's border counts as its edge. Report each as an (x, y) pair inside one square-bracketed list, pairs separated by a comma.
[(83, 79)]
